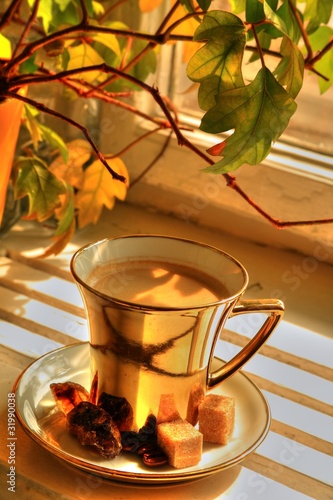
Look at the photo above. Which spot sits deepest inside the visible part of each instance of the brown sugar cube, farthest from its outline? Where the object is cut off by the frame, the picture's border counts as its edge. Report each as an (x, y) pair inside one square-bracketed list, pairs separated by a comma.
[(167, 410), (195, 398), (217, 418), (181, 442)]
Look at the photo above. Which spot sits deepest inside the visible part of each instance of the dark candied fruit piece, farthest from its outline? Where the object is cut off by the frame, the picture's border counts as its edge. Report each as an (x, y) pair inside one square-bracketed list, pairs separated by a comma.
[(155, 458), (150, 425), (93, 426), (119, 409), (132, 440), (67, 395)]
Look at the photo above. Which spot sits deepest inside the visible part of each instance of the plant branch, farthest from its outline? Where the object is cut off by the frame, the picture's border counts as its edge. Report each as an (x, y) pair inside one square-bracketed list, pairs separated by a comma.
[(133, 143), (232, 183), (44, 109), (27, 27), (320, 54), (110, 9), (153, 162), (9, 13), (302, 30)]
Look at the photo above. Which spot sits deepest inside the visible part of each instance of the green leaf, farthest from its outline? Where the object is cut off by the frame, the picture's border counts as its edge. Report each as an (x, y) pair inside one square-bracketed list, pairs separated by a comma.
[(286, 14), (203, 4), (62, 4), (145, 66), (254, 11), (290, 70), (275, 19), (45, 12), (40, 185), (317, 12), (237, 6), (32, 125), (54, 140), (258, 113), (28, 66), (66, 213), (39, 132), (324, 66), (218, 64)]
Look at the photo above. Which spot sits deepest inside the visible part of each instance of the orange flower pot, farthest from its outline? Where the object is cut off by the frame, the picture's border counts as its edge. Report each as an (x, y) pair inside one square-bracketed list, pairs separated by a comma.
[(10, 122)]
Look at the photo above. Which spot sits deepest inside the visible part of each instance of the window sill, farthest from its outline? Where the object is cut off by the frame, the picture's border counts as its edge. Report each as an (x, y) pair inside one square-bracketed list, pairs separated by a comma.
[(175, 185)]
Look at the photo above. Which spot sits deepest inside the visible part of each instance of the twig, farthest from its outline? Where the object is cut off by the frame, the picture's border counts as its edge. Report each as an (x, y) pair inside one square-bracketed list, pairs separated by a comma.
[(302, 30), (27, 27), (9, 13), (231, 182), (322, 52), (110, 9), (44, 109), (152, 163), (133, 143)]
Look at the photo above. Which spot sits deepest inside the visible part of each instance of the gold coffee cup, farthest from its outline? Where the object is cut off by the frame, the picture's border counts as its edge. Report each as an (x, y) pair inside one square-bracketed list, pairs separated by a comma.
[(156, 306)]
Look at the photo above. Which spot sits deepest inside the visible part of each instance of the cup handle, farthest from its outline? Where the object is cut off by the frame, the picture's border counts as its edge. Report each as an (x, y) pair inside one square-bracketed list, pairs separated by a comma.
[(275, 309)]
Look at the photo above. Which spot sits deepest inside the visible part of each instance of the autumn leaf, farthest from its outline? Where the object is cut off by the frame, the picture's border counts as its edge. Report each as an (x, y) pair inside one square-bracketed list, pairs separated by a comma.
[(33, 179), (5, 47), (71, 171), (217, 66), (59, 242), (108, 40), (99, 190), (258, 113), (81, 56), (66, 224), (290, 69)]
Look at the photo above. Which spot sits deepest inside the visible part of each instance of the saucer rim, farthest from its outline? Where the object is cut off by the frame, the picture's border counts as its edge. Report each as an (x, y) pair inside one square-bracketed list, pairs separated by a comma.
[(173, 476)]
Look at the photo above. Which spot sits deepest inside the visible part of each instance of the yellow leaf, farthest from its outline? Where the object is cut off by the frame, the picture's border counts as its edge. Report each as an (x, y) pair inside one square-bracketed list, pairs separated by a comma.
[(84, 55), (186, 28), (99, 190), (60, 242), (149, 5), (110, 41), (5, 48), (79, 152)]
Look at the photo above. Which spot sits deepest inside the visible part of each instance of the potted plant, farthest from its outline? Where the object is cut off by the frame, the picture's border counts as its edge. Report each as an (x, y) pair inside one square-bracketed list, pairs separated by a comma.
[(84, 47)]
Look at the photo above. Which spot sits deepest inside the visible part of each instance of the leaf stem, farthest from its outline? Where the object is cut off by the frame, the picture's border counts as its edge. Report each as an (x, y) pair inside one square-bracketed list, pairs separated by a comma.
[(261, 55)]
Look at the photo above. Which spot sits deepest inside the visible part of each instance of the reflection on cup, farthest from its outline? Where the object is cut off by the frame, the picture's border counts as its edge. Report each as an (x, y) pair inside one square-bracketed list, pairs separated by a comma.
[(156, 306)]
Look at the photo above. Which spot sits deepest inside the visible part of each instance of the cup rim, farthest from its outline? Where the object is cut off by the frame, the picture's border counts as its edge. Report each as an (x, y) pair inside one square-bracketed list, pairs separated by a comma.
[(147, 307)]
